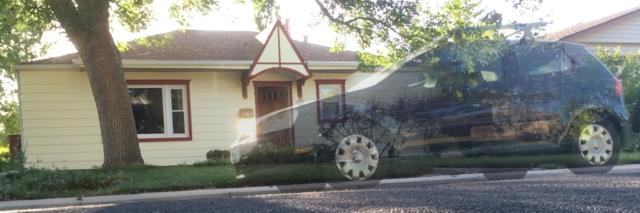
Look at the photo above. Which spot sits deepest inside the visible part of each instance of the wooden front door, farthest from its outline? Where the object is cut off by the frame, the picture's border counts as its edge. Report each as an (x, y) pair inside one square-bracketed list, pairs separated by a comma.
[(271, 99)]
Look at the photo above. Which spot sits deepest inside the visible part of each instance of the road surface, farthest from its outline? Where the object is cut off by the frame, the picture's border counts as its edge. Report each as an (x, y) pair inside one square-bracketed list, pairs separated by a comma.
[(583, 193)]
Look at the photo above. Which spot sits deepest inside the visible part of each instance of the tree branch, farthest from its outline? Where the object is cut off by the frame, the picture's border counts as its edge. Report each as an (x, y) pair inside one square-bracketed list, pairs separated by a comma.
[(326, 13), (68, 16)]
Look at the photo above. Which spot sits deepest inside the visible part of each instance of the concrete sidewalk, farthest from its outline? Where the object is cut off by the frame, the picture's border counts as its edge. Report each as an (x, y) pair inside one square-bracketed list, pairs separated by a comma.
[(230, 192)]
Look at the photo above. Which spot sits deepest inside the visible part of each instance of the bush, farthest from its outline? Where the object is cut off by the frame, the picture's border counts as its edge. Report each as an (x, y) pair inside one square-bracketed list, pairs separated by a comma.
[(218, 154), (269, 154), (34, 183), (633, 145), (277, 154), (213, 162), (326, 152), (8, 162)]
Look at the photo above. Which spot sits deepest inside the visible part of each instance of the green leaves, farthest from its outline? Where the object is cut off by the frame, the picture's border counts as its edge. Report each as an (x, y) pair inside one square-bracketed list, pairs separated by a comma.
[(266, 11), (627, 69), (388, 31), (398, 28), (22, 25), (181, 10), (135, 14)]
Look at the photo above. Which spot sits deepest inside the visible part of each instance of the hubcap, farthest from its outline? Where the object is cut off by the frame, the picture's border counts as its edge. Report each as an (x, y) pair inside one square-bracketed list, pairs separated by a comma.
[(596, 145), (357, 157)]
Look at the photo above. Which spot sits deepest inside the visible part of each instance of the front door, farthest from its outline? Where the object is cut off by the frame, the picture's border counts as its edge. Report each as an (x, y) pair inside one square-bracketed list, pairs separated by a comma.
[(271, 99)]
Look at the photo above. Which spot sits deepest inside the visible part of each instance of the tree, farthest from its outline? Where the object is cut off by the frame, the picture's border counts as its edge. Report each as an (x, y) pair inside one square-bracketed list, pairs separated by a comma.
[(395, 29), (402, 26), (88, 25)]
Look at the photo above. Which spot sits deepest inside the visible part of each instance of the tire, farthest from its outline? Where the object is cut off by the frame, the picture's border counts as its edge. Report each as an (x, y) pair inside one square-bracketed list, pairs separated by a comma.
[(357, 157), (596, 142)]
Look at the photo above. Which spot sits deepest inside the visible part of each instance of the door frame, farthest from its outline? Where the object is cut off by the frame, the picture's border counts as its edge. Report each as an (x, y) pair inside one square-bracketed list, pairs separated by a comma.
[(289, 85)]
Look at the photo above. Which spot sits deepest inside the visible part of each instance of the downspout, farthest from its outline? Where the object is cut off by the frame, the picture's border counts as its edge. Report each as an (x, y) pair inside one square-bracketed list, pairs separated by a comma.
[(24, 147)]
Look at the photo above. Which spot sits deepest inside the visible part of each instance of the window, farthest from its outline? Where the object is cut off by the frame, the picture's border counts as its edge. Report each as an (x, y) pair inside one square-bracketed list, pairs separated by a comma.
[(161, 109), (330, 98), (453, 70), (541, 59)]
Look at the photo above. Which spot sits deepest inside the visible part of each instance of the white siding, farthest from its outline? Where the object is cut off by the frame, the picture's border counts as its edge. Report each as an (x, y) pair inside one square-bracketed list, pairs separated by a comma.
[(626, 31), (61, 128)]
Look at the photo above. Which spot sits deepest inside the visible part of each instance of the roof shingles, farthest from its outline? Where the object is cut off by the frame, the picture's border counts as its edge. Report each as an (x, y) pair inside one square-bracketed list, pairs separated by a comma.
[(211, 45)]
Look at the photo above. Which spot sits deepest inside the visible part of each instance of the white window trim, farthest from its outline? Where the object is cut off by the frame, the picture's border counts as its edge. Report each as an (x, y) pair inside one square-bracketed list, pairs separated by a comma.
[(322, 100), (168, 115)]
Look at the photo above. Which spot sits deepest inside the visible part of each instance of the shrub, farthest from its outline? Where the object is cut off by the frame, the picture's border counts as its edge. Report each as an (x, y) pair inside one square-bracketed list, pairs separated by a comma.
[(213, 162), (326, 152), (269, 154), (8, 162), (218, 154), (633, 145), (277, 154), (34, 183)]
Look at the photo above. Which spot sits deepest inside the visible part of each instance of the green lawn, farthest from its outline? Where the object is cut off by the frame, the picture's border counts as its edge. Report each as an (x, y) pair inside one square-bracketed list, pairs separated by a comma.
[(39, 184)]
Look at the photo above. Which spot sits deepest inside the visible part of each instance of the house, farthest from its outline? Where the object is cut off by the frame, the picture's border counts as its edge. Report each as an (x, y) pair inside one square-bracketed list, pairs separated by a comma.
[(619, 29), (198, 94)]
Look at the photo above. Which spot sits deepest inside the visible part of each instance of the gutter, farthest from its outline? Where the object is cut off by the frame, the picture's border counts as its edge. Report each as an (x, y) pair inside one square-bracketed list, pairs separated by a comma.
[(194, 64), (46, 67)]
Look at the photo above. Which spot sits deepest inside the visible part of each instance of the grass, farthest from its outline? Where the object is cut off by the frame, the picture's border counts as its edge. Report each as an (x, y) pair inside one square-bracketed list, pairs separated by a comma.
[(40, 183)]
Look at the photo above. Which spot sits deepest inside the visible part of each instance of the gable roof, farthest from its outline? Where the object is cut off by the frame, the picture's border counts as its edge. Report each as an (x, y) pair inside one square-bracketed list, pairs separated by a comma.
[(581, 27), (280, 53), (211, 45)]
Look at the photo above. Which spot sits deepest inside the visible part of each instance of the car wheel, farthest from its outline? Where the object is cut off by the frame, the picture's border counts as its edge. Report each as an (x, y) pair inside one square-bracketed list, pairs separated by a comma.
[(594, 140), (598, 142), (357, 157)]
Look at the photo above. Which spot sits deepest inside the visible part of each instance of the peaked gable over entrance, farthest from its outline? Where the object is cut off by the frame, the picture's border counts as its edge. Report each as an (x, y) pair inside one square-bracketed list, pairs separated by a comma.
[(278, 54)]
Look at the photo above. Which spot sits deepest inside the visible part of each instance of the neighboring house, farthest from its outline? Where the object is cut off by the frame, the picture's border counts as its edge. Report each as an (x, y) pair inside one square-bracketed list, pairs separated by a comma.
[(619, 29), (198, 94)]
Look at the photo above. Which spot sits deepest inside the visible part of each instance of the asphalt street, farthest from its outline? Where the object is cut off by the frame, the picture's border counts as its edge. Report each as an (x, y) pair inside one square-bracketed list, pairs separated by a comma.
[(582, 193)]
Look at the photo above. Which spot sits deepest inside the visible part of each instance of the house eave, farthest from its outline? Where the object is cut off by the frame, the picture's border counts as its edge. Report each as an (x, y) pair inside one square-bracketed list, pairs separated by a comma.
[(193, 64), (46, 67)]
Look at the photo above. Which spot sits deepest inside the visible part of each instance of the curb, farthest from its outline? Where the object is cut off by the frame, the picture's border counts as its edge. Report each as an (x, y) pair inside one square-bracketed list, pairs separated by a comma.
[(230, 192)]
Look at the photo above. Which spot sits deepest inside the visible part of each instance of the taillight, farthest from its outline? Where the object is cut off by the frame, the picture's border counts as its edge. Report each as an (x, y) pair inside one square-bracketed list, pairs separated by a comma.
[(619, 89)]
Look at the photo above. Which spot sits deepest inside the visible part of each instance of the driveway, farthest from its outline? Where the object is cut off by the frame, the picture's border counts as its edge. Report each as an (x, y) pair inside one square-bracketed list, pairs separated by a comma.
[(616, 192)]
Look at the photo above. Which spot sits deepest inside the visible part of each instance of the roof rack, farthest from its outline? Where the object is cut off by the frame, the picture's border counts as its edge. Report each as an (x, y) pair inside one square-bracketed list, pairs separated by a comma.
[(526, 28)]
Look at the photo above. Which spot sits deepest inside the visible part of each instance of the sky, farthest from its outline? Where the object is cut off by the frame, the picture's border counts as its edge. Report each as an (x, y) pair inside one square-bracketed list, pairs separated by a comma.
[(232, 16)]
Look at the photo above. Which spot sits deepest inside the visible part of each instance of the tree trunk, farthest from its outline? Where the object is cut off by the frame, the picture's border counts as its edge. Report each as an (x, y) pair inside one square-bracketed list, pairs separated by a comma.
[(88, 29), (117, 126)]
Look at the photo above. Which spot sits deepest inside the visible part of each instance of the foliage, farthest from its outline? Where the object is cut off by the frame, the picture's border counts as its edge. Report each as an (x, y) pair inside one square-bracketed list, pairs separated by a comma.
[(213, 162), (9, 121), (218, 154), (627, 69), (266, 11), (8, 162), (400, 28), (278, 154), (30, 183), (397, 29)]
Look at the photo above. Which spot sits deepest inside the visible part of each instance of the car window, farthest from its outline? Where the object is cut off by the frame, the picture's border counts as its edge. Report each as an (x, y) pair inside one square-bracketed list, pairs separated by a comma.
[(482, 71), (536, 59)]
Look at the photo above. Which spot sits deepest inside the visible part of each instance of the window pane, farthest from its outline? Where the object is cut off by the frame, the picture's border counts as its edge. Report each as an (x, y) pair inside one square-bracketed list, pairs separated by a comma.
[(148, 110), (329, 93), (176, 99), (330, 109), (178, 123), (540, 59)]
